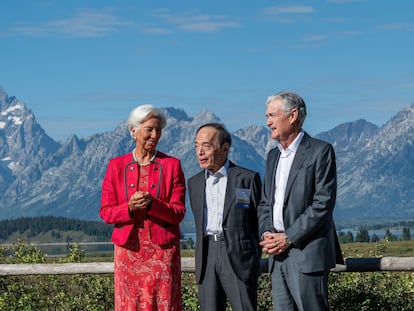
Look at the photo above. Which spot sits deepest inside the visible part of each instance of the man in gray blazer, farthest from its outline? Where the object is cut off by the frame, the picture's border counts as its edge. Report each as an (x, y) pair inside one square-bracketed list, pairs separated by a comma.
[(224, 199), (295, 215)]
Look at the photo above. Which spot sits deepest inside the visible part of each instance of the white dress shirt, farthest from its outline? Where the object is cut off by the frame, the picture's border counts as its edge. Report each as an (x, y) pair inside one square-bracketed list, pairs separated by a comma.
[(282, 173), (215, 194)]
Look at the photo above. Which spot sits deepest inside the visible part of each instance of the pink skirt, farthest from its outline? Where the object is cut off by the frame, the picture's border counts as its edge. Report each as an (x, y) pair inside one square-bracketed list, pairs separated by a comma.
[(148, 279)]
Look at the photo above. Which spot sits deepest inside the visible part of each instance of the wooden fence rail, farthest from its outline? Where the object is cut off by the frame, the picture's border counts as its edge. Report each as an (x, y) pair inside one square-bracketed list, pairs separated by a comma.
[(188, 265)]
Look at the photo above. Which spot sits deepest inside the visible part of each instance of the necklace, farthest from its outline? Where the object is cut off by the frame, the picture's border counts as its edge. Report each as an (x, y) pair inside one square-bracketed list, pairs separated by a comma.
[(146, 163)]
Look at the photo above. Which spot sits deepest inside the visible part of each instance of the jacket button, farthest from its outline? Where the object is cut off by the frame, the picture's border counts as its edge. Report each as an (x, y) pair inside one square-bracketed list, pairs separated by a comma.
[(152, 186), (131, 168), (132, 186)]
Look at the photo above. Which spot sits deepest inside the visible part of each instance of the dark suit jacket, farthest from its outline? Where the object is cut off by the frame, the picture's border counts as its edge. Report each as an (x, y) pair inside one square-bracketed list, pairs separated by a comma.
[(308, 206), (240, 228)]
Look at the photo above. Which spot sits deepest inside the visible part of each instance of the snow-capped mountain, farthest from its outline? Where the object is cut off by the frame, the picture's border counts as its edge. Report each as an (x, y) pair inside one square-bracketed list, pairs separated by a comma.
[(377, 177), (40, 176)]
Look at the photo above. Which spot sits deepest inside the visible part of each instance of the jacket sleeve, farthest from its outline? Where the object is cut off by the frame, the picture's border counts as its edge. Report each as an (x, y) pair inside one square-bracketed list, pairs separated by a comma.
[(256, 187), (265, 206), (114, 205)]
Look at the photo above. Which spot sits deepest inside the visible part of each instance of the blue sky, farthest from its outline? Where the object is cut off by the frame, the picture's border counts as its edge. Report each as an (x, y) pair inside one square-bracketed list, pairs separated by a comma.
[(81, 66)]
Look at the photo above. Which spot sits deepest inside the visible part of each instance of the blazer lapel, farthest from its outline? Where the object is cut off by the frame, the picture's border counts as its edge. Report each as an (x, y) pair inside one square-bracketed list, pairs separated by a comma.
[(273, 168), (297, 164), (199, 197), (230, 197)]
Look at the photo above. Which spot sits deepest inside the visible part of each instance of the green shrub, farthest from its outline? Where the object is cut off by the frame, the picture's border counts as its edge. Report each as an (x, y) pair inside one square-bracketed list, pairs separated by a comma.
[(377, 291), (348, 291), (189, 291)]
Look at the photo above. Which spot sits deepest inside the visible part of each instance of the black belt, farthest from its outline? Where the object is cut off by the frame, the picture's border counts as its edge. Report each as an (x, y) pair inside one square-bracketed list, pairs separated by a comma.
[(215, 237)]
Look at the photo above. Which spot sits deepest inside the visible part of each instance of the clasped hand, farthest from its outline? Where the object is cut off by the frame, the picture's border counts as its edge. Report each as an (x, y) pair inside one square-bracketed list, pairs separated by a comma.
[(139, 200), (274, 243)]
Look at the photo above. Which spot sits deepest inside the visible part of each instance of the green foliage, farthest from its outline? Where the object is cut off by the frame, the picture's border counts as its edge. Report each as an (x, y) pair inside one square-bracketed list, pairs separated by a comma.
[(35, 226), (371, 291), (394, 248), (363, 227), (264, 294), (76, 254), (389, 236), (345, 237), (375, 238), (52, 292), (21, 252), (367, 291), (362, 236), (406, 234), (187, 244), (189, 292)]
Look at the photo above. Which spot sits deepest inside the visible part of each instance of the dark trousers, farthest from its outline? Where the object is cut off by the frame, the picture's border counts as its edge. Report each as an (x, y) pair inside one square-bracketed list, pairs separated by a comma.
[(296, 291), (220, 283)]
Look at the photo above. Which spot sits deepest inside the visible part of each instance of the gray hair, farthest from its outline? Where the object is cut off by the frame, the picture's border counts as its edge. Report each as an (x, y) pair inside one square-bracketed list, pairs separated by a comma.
[(290, 101), (143, 113)]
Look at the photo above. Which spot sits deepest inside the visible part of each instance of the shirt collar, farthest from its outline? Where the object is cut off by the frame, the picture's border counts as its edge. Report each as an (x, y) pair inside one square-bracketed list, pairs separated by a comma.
[(293, 147), (222, 172)]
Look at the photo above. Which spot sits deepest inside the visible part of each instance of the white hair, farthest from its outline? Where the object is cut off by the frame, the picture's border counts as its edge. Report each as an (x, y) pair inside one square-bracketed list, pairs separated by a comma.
[(143, 113), (290, 101)]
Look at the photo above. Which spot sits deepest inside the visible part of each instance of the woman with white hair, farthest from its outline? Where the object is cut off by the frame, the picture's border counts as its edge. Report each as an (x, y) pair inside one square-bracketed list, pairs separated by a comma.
[(143, 195)]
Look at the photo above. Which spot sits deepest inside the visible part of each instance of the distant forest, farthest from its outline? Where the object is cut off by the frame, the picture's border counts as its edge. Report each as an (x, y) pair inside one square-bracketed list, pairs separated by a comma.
[(32, 227)]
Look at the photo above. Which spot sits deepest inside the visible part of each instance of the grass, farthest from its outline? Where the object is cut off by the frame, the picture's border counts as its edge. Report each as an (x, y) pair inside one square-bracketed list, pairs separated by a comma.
[(385, 249)]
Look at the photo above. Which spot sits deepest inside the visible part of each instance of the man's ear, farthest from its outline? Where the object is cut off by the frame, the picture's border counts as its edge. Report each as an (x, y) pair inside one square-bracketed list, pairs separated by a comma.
[(294, 115), (226, 147)]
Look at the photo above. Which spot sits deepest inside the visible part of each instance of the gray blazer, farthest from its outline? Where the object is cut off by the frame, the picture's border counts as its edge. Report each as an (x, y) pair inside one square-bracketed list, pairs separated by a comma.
[(308, 206), (240, 227)]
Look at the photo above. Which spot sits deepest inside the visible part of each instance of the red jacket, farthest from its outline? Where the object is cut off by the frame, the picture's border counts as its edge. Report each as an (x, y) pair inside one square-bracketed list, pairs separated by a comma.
[(166, 183)]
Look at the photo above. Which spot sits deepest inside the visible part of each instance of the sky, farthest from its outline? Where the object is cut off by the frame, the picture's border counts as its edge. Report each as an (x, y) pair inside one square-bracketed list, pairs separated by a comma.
[(81, 66)]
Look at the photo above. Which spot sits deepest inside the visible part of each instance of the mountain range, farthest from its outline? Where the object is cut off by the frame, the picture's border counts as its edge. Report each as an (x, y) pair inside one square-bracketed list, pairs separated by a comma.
[(41, 176)]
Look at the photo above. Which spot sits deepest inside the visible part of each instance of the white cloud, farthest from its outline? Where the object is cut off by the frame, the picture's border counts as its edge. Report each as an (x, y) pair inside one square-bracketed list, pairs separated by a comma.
[(288, 9), (407, 85), (154, 30), (345, 1), (398, 26), (85, 23), (191, 21), (348, 34), (207, 26), (315, 38)]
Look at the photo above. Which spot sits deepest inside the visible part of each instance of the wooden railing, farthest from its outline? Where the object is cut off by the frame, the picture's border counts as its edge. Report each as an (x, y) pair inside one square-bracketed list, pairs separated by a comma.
[(188, 265)]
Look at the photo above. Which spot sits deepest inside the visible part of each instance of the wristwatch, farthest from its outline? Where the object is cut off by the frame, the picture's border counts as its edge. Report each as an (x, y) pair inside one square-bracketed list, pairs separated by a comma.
[(288, 241)]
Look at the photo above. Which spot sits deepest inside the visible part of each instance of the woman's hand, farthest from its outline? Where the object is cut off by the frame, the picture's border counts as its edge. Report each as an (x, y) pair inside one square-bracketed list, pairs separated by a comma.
[(139, 200)]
